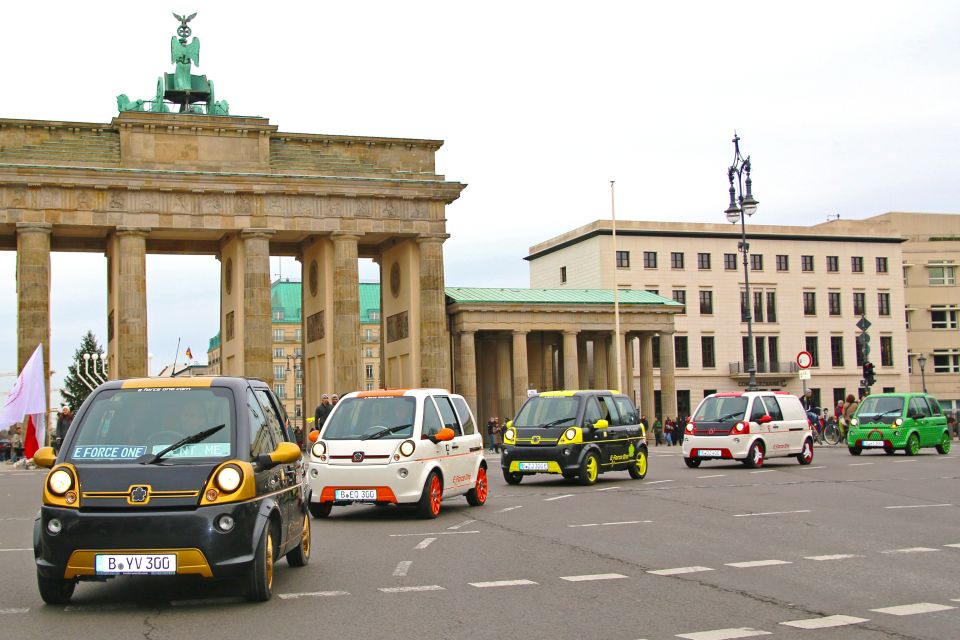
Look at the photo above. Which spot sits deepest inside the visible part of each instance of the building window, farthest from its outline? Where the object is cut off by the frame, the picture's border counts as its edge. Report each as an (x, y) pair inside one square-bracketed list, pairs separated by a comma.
[(649, 259), (676, 260), (833, 302), (278, 315), (299, 390), (369, 353), (708, 352), (833, 264), (771, 306), (374, 315), (655, 292), (856, 264), (946, 361), (298, 371), (813, 348), (298, 351), (744, 307), (703, 261), (368, 369), (783, 263), (655, 348), (278, 352), (836, 351), (886, 351), (369, 386), (806, 263), (941, 275), (809, 303), (943, 318), (563, 275), (279, 371), (680, 295), (680, 352), (883, 304), (706, 302), (756, 262), (859, 303), (758, 306), (730, 261), (280, 390), (623, 259), (298, 335), (368, 335), (882, 265), (278, 335), (860, 359)]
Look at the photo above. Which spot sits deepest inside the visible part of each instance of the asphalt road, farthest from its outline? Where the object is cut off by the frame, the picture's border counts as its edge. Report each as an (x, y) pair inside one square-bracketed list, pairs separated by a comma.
[(849, 547)]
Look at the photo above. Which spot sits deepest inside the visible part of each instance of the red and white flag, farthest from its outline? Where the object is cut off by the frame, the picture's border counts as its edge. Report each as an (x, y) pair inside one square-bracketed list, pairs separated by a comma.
[(28, 399)]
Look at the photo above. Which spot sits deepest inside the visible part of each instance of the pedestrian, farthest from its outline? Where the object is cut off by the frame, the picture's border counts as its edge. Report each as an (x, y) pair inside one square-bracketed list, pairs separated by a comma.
[(322, 411), (849, 410), (952, 426), (64, 420), (668, 432), (334, 399), (678, 432), (807, 402), (657, 431), (16, 443), (491, 424), (497, 437)]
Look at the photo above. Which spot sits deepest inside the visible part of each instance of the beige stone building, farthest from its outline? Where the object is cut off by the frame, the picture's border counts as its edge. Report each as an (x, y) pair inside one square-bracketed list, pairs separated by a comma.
[(809, 286)]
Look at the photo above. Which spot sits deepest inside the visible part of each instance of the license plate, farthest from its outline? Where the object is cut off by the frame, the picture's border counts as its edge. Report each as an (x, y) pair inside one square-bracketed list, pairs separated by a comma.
[(534, 466), (136, 563), (355, 494), (872, 443), (709, 453)]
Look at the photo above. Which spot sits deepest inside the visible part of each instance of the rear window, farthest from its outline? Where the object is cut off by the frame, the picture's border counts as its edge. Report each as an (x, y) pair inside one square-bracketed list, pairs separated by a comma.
[(123, 424), (548, 412), (884, 409), (354, 418), (721, 409)]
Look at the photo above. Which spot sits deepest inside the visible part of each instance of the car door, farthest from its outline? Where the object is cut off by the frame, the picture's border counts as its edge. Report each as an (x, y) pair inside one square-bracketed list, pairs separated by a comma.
[(430, 426), (617, 442), (922, 414), (458, 461), (591, 413), (288, 476), (781, 437)]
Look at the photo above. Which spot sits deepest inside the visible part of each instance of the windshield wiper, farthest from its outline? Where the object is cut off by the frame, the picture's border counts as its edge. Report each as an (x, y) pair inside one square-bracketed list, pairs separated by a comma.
[(728, 416), (385, 431), (557, 422), (151, 458)]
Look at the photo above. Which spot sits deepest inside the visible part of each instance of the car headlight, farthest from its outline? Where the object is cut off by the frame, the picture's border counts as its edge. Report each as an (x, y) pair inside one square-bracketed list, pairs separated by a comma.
[(319, 449), (509, 435), (229, 479), (570, 433), (854, 422), (407, 447), (60, 482), (898, 422)]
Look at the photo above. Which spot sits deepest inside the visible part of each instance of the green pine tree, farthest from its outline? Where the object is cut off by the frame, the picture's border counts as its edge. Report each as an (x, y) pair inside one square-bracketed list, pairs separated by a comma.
[(74, 391)]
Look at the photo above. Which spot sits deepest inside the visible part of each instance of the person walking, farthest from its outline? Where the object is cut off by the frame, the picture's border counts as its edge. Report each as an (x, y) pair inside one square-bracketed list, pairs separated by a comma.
[(16, 443), (849, 410), (657, 431), (668, 432), (678, 431), (322, 411), (64, 420), (497, 436), (491, 424)]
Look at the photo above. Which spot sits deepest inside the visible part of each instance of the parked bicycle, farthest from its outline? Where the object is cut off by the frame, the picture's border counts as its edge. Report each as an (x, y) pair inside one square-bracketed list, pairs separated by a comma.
[(831, 432)]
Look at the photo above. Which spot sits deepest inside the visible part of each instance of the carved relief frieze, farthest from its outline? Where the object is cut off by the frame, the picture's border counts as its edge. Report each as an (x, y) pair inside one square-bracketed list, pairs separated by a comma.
[(275, 205), (212, 203), (117, 200), (50, 198), (17, 198), (181, 202), (398, 326), (333, 207), (148, 201), (305, 205), (363, 208), (86, 199), (243, 204)]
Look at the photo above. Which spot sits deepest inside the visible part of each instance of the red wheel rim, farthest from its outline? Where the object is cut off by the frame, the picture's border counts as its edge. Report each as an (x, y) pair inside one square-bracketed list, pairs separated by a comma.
[(435, 495), (482, 485), (758, 456), (807, 452)]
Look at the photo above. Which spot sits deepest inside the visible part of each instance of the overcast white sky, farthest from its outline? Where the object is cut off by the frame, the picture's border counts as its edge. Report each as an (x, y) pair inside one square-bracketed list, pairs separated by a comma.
[(846, 108)]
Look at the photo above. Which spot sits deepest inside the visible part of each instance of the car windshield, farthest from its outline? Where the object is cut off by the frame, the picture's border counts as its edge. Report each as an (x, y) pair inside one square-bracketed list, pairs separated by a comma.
[(123, 424), (884, 409), (354, 418), (548, 412), (721, 409)]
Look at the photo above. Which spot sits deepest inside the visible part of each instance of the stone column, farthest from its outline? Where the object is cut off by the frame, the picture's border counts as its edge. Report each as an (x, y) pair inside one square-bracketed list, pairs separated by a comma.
[(33, 294), (468, 370), (600, 364), (127, 304), (504, 377), (547, 366), (668, 383), (629, 383), (434, 336), (613, 380), (257, 306), (346, 314), (521, 380), (582, 365), (571, 376), (647, 404)]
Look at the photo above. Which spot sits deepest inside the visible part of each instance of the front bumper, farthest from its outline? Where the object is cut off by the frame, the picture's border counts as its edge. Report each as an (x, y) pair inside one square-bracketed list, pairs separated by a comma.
[(326, 479), (730, 447), (559, 459), (201, 548), (870, 437)]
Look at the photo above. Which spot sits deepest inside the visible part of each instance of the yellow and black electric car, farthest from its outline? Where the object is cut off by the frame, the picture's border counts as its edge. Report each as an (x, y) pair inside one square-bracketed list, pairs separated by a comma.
[(172, 476), (578, 434)]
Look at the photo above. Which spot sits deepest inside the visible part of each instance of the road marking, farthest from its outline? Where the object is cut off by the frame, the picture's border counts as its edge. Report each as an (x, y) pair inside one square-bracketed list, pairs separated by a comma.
[(196, 602), (609, 524), (402, 567), (501, 583), (607, 488), (595, 576), (955, 546), (519, 506), (901, 461), (835, 556), (913, 609), (764, 471), (4, 612), (719, 475), (103, 607), (910, 550), (724, 634), (859, 464), (679, 570), (311, 594), (428, 587), (435, 533), (16, 549), (566, 495), (462, 524), (825, 622), (917, 506), (756, 563), (423, 544), (657, 481), (808, 468), (769, 513)]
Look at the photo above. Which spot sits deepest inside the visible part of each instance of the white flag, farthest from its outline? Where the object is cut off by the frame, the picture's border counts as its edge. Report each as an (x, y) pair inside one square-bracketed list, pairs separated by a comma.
[(28, 397)]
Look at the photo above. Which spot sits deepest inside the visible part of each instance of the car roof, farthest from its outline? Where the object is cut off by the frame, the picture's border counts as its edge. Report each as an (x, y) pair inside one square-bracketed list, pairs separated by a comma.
[(565, 393), (197, 382), (397, 393)]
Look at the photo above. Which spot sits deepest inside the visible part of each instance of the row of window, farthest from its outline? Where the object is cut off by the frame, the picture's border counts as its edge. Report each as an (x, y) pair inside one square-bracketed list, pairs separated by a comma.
[(677, 261), (281, 390), (765, 305), (834, 306)]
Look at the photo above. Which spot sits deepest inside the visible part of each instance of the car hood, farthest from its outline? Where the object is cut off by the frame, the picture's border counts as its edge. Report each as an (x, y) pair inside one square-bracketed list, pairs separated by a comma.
[(364, 452), (142, 486), (539, 436)]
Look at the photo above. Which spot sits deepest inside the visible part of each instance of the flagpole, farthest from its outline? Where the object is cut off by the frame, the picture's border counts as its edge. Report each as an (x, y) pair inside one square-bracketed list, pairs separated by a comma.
[(173, 369), (616, 292)]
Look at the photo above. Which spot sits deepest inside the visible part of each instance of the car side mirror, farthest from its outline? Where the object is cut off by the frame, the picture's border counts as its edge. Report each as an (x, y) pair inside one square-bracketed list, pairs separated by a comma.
[(285, 453), (509, 423), (765, 419), (601, 424), (314, 436), (45, 457), (445, 435)]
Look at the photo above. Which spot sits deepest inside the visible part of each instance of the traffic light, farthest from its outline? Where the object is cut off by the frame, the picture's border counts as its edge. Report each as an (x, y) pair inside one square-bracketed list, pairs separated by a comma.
[(869, 377)]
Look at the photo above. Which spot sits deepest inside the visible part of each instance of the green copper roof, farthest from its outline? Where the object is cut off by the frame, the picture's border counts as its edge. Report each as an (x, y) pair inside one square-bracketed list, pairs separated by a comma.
[(369, 303), (554, 296), (214, 343), (285, 299)]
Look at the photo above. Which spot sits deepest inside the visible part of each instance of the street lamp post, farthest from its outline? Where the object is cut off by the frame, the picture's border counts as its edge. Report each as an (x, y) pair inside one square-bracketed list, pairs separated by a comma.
[(743, 204), (298, 366), (922, 361)]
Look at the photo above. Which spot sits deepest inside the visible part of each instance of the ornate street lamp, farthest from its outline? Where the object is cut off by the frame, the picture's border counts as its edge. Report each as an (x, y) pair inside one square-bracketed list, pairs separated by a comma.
[(922, 361), (298, 366), (743, 204)]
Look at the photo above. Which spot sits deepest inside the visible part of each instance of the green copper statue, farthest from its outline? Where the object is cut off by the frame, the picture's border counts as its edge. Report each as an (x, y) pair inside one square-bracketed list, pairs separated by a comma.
[(182, 54)]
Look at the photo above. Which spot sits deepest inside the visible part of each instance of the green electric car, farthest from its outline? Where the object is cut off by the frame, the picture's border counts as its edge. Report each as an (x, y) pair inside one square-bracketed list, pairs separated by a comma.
[(892, 421)]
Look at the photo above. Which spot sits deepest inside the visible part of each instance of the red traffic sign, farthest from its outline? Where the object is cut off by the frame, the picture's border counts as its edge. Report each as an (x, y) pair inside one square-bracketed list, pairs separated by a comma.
[(804, 360)]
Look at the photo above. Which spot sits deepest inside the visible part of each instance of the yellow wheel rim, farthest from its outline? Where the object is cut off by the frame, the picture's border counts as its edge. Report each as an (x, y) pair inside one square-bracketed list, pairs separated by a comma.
[(642, 462), (269, 561), (306, 536), (592, 468)]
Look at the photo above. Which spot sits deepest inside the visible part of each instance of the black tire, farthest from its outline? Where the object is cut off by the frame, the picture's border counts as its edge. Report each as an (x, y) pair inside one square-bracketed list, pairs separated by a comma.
[(299, 556), (889, 451), (944, 447), (569, 477), (755, 455), (806, 452), (55, 590), (693, 463), (512, 477), (831, 434), (428, 507), (320, 509), (854, 451), (589, 469), (638, 469), (477, 496), (260, 580), (913, 445)]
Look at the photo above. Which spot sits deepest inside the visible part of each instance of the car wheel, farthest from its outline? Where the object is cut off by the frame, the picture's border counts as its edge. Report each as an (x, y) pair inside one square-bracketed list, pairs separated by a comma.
[(55, 590), (854, 451), (513, 477), (432, 496), (806, 453), (889, 451), (478, 495), (755, 455), (913, 445), (300, 555), (589, 469), (638, 467), (320, 509), (693, 463), (944, 447), (260, 587)]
